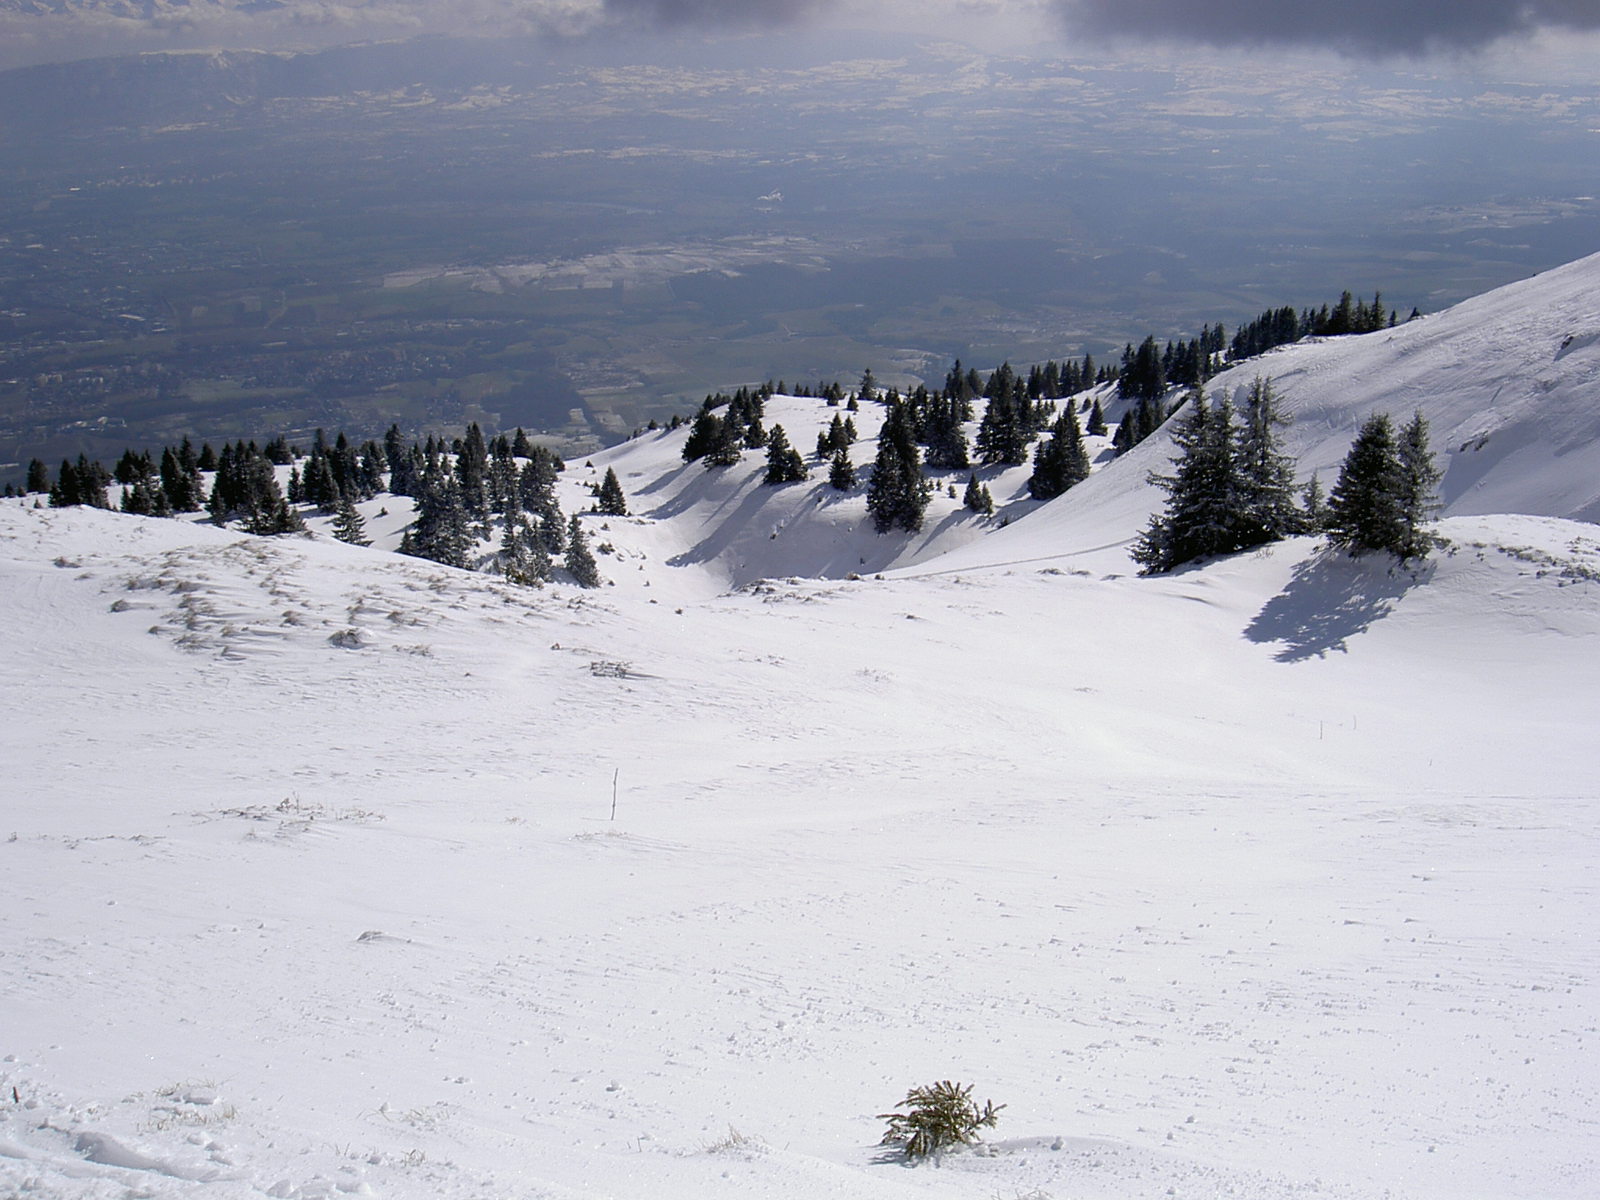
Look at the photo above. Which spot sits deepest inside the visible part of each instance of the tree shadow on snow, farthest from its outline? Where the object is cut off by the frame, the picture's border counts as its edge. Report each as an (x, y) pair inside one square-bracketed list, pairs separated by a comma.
[(1330, 598)]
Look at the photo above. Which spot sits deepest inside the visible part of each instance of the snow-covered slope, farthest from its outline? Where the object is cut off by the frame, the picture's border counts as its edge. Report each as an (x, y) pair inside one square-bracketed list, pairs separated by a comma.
[(1272, 879), (727, 521), (1508, 382), (325, 871)]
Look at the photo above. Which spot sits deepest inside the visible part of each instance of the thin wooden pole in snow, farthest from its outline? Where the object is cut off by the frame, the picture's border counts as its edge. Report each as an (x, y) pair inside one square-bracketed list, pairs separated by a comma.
[(617, 771)]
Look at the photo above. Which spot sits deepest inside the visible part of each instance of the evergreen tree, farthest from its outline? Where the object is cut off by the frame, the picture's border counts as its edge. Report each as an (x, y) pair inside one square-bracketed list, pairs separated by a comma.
[(553, 531), (1365, 509), (472, 472), (1061, 462), (274, 518), (944, 435), (38, 476), (611, 501), (1003, 435), (784, 464), (441, 531), (1097, 420), (977, 498), (348, 524), (1313, 507), (1419, 477), (841, 472), (146, 499), (64, 493), (897, 496), (523, 558), (579, 560), (1203, 514), (536, 492), (1266, 474), (132, 468), (1143, 377), (729, 446), (869, 385), (181, 484), (81, 483), (401, 462)]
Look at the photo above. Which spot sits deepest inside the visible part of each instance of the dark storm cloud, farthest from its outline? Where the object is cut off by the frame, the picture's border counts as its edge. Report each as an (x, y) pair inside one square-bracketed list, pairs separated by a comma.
[(714, 14), (1381, 27)]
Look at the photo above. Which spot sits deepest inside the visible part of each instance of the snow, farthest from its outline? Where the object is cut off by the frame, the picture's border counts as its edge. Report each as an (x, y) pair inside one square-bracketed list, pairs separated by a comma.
[(1270, 878)]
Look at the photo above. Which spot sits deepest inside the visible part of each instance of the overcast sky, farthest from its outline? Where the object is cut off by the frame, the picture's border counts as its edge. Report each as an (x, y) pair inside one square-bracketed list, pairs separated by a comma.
[(1535, 31)]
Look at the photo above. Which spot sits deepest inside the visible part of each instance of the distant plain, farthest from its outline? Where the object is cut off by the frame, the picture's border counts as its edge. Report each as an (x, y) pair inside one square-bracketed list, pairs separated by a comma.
[(577, 242)]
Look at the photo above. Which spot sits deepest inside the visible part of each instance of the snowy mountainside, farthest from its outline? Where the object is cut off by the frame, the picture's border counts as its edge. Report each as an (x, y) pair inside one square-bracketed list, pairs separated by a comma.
[(1242, 881), (1506, 380), (725, 519), (331, 872)]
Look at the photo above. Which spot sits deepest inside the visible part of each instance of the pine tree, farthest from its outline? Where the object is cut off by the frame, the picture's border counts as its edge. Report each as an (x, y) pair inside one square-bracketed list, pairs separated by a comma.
[(1062, 462), (1419, 477), (1142, 377), (274, 517), (348, 524), (1097, 420), (181, 484), (1203, 513), (1365, 509), (977, 498), (945, 437), (1313, 507), (441, 531), (472, 471), (523, 558), (784, 464), (897, 496), (729, 445), (841, 472), (579, 560), (1267, 474), (610, 501)]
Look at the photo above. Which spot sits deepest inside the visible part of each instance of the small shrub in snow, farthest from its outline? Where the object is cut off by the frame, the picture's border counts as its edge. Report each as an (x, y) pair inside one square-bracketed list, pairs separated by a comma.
[(936, 1117)]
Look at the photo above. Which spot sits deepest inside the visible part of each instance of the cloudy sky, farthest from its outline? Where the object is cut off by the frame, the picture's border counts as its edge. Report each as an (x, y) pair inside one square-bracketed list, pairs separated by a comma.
[(1536, 31)]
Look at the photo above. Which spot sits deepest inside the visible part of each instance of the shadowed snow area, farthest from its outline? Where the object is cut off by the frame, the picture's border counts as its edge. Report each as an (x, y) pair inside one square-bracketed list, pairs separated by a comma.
[(330, 872)]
